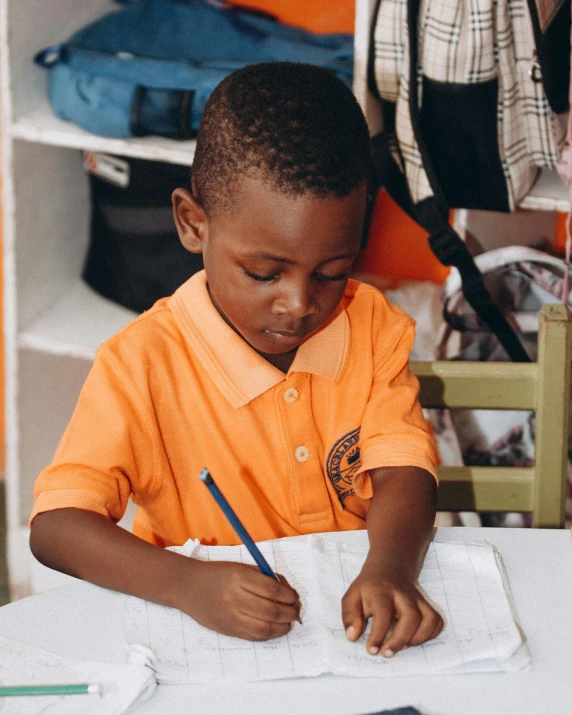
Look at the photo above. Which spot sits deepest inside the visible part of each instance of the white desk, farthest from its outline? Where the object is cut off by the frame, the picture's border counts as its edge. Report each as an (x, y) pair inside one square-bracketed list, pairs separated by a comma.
[(85, 621)]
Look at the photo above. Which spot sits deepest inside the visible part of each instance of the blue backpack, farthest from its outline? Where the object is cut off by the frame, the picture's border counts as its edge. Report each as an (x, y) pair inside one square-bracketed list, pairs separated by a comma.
[(150, 66)]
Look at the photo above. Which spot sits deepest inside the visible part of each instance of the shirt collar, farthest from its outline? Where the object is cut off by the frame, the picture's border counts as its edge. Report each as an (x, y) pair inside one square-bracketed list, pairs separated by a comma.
[(238, 371)]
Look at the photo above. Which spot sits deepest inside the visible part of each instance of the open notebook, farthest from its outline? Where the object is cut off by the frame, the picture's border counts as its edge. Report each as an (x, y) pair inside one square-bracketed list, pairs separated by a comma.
[(466, 583)]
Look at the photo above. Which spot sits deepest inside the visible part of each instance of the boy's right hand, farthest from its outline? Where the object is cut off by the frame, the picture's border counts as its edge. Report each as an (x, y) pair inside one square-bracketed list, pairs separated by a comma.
[(238, 600), (234, 599)]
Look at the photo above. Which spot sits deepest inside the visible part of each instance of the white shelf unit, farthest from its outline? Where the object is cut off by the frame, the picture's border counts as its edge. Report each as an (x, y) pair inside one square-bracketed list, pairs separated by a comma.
[(41, 126), (53, 322), (547, 194)]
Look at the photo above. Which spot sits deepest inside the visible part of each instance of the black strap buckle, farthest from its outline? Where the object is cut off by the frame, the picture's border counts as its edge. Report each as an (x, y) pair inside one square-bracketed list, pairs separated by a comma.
[(448, 247)]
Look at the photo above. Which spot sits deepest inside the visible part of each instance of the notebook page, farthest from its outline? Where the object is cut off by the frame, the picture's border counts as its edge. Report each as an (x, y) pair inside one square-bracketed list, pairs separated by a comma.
[(465, 584), (122, 684), (184, 651), (463, 581)]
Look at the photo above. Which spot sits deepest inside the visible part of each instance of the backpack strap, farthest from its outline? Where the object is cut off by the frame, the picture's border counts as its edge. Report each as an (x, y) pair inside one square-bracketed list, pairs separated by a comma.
[(432, 213), (550, 20), (180, 104)]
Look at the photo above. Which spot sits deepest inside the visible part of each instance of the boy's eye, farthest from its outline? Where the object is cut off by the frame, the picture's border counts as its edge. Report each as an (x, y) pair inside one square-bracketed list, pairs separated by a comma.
[(262, 279), (274, 276), (337, 277)]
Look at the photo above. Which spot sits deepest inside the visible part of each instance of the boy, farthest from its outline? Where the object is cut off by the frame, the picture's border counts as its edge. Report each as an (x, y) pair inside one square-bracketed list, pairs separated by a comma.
[(289, 382)]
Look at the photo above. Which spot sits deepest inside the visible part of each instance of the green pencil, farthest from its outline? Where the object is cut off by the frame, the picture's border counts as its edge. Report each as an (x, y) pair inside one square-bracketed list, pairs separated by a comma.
[(23, 690)]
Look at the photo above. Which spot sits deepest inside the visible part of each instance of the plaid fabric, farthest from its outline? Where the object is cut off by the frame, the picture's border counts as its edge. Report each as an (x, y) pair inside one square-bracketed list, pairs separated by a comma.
[(468, 42)]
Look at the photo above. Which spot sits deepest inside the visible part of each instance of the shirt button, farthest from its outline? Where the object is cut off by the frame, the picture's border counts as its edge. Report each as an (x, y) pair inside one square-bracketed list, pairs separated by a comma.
[(291, 395), (301, 453)]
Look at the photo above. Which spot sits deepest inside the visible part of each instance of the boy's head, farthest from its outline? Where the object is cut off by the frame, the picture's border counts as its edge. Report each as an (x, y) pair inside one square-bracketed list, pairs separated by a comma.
[(279, 184), (296, 126)]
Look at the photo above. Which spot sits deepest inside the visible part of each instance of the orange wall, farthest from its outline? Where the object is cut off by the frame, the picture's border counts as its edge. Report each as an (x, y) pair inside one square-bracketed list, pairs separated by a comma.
[(313, 15), (397, 248)]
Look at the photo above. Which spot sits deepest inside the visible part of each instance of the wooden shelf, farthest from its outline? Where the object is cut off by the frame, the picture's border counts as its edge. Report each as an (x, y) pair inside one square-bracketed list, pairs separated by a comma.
[(42, 126), (76, 324)]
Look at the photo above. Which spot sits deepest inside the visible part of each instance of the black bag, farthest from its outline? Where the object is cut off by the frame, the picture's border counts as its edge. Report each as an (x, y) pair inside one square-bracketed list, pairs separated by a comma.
[(135, 256)]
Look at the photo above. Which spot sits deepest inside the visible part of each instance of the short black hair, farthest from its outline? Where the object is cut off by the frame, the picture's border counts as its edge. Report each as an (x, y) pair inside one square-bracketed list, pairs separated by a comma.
[(295, 125)]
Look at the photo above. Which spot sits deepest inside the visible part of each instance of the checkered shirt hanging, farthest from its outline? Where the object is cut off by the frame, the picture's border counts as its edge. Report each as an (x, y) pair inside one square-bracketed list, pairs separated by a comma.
[(469, 42)]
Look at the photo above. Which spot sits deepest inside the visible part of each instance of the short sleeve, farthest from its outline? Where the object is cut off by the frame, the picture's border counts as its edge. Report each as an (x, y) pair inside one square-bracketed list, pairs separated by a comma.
[(106, 452), (394, 432)]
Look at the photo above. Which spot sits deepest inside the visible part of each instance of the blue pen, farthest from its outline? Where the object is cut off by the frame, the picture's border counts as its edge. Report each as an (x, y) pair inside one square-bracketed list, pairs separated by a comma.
[(237, 525)]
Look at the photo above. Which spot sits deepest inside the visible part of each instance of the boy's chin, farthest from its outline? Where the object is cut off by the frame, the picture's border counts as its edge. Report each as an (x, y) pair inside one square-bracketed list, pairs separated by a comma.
[(279, 343), (271, 344)]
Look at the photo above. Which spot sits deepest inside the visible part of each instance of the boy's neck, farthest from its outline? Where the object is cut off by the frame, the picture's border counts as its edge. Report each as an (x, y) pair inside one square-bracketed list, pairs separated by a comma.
[(282, 361)]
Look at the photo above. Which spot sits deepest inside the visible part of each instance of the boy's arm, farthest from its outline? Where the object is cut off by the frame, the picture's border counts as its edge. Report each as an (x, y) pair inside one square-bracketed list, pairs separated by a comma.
[(399, 523), (230, 598)]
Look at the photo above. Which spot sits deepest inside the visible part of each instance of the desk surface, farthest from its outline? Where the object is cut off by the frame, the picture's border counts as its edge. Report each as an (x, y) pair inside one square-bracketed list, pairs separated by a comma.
[(84, 621)]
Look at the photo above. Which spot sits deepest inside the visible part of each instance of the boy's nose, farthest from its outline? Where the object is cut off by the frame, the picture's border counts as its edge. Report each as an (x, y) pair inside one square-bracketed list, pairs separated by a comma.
[(297, 302)]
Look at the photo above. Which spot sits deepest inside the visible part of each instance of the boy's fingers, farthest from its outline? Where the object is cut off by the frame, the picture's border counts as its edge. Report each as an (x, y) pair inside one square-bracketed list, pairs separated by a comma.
[(298, 603), (274, 592), (380, 624), (353, 617), (408, 621), (284, 582), (259, 630), (431, 624), (270, 611), (267, 587), (439, 627)]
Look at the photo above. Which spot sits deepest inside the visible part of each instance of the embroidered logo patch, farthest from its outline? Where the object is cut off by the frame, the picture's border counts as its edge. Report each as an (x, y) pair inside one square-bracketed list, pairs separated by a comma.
[(342, 463)]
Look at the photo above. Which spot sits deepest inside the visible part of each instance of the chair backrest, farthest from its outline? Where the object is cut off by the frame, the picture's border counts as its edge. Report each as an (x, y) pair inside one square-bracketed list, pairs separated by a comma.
[(543, 387)]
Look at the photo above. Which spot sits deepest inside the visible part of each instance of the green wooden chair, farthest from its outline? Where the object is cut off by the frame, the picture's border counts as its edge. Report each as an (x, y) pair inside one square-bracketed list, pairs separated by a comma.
[(543, 387)]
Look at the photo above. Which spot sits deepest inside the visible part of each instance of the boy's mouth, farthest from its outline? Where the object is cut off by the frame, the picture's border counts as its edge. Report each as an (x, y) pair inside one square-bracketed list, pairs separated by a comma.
[(286, 335)]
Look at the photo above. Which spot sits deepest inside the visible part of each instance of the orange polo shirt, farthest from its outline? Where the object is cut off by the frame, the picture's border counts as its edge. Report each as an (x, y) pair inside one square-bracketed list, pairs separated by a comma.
[(177, 390)]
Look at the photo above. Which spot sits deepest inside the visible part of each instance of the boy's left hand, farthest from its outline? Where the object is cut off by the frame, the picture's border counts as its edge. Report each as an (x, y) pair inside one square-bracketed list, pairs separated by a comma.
[(388, 599)]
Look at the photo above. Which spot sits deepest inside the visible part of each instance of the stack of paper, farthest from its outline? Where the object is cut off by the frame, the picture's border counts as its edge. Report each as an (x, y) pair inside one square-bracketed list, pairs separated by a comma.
[(121, 684), (465, 582)]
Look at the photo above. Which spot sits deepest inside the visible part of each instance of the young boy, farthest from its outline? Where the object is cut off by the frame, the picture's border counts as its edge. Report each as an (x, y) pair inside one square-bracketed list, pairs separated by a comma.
[(287, 380)]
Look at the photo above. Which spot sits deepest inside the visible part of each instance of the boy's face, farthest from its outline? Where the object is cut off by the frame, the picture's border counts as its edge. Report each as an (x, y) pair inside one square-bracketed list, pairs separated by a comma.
[(277, 266)]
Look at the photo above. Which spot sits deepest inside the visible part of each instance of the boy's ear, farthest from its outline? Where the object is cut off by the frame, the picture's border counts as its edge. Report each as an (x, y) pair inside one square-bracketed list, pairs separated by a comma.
[(190, 219)]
